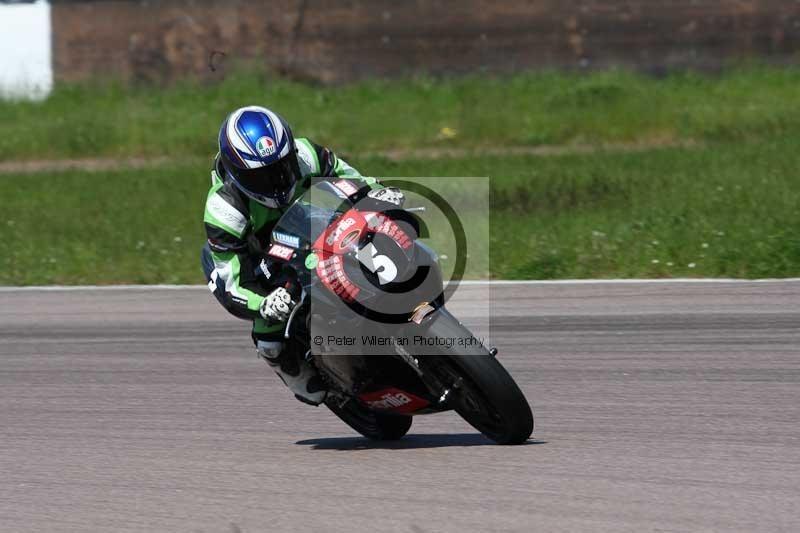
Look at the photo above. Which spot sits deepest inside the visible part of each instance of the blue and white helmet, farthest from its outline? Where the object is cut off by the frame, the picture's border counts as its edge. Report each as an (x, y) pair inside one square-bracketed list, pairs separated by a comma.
[(258, 154)]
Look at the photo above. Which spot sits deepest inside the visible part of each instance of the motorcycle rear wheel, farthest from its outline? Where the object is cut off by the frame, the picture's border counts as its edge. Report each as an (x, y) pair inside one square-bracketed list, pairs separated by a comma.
[(373, 425)]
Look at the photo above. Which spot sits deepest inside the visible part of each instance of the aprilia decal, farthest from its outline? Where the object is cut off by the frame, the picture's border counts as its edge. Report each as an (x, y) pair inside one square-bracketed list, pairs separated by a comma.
[(393, 399)]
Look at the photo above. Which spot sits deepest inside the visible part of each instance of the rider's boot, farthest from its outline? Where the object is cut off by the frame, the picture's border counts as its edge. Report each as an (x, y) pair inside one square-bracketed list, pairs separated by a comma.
[(297, 373)]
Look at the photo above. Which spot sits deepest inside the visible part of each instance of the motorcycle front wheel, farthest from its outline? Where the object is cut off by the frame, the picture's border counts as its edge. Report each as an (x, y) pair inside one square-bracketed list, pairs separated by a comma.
[(486, 396), (489, 399)]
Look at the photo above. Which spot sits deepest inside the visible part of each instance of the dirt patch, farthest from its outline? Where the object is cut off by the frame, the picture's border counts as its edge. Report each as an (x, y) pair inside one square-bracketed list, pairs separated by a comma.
[(543, 151), (109, 164), (94, 164)]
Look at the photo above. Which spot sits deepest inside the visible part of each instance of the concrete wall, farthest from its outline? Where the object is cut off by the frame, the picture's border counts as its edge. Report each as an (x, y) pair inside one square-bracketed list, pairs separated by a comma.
[(334, 41)]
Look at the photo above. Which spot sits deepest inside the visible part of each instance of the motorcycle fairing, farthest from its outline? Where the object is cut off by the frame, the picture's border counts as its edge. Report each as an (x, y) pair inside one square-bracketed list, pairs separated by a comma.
[(344, 236)]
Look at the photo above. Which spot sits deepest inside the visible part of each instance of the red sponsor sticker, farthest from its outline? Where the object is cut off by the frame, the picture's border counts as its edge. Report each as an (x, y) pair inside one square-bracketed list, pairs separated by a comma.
[(382, 224), (281, 252), (346, 187), (332, 275)]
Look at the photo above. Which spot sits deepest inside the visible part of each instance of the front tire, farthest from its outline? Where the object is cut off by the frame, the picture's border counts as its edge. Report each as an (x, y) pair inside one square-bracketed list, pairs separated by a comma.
[(487, 396), (489, 399), (373, 425)]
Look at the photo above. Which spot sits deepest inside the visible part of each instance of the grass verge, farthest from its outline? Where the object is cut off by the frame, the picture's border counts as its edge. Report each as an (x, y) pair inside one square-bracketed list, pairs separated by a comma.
[(719, 210), (110, 120)]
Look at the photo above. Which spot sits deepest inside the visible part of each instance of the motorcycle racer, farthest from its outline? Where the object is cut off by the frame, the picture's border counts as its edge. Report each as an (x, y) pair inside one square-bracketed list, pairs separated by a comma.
[(258, 172)]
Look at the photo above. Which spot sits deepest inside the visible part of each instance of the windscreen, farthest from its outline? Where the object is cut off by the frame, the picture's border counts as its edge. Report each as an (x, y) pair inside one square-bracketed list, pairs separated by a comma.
[(312, 213)]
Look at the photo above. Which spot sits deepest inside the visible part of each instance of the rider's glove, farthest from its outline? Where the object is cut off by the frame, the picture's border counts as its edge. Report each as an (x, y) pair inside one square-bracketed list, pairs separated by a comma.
[(391, 195), (277, 305)]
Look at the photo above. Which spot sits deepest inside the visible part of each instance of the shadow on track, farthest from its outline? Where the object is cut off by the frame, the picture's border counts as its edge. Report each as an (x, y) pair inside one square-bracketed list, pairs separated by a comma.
[(409, 442)]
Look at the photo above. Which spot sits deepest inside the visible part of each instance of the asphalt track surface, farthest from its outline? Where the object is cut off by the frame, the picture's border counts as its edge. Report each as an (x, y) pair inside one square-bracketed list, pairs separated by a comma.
[(659, 407)]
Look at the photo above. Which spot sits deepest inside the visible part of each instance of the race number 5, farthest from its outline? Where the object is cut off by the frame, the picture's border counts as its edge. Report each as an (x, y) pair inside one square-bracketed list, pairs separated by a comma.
[(377, 264)]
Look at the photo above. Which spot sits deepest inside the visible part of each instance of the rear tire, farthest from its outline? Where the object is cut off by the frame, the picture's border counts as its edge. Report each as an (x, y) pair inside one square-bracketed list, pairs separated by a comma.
[(373, 425), (490, 400)]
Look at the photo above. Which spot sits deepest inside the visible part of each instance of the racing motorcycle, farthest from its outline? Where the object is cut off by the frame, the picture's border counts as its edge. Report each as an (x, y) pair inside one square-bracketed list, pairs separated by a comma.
[(369, 286)]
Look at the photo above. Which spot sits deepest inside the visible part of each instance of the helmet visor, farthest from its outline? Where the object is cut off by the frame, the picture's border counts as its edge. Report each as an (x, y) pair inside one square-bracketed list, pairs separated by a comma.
[(273, 184)]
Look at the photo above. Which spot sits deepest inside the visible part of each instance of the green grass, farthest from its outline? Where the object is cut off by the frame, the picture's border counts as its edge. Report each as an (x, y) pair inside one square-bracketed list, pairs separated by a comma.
[(529, 109), (728, 209)]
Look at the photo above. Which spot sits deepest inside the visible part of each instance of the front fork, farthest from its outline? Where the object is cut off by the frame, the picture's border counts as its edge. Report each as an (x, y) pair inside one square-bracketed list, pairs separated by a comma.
[(433, 370)]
